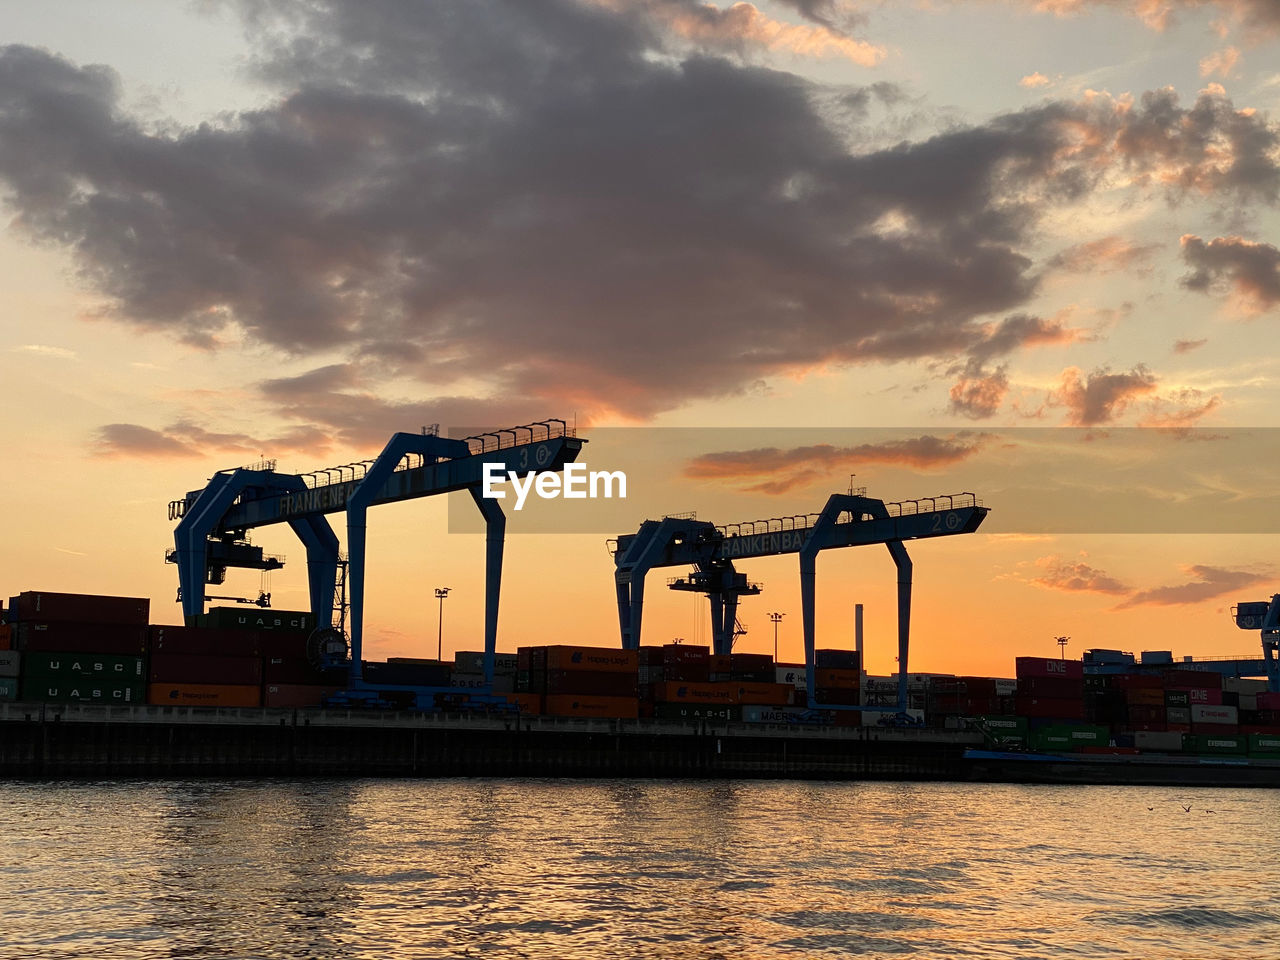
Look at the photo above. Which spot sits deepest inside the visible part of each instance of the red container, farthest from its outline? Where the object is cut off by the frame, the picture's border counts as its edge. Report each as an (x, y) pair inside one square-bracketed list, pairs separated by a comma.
[(570, 705), (1178, 727), (602, 683), (688, 671), (290, 695), (1269, 701), (683, 653), (1202, 696), (83, 608), (294, 671), (180, 668), (765, 694), (647, 657), (1144, 697), (720, 663), (1052, 688), (672, 692), (837, 696), (748, 662), (6, 633), (281, 643), (1146, 714), (59, 637), (1027, 706), (1183, 679), (1048, 667), (1136, 681), (189, 640)]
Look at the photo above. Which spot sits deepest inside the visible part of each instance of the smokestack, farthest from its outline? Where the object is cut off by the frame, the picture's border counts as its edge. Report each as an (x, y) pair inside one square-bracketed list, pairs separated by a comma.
[(857, 645)]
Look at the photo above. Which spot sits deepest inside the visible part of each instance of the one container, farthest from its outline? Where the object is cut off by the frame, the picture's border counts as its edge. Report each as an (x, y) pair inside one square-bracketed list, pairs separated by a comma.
[(204, 695), (1051, 688), (1048, 667)]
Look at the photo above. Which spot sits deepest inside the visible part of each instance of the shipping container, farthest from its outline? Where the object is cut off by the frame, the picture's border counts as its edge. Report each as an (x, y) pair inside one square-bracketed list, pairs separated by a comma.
[(573, 705), (1201, 713), (475, 681), (1006, 688), (529, 704), (1158, 741), (199, 668), (758, 714), (1045, 708), (603, 683), (1136, 681), (6, 636), (672, 692), (195, 640), (684, 653), (765, 694), (837, 659), (696, 711), (55, 636), (61, 666), (406, 674), (10, 663), (292, 695), (1028, 667), (1264, 743), (472, 661), (298, 671), (1177, 698), (837, 677), (203, 695), (1181, 679), (82, 608), (791, 673), (743, 663), (839, 696), (1243, 685), (1178, 714), (688, 671), (1142, 697), (82, 690), (246, 618), (1060, 737), (879, 718), (1269, 701), (584, 658), (282, 643), (8, 688), (1216, 743), (1051, 688)]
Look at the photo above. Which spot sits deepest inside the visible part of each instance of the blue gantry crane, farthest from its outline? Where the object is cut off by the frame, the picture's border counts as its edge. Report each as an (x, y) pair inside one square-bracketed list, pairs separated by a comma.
[(1263, 616), (213, 523), (847, 520)]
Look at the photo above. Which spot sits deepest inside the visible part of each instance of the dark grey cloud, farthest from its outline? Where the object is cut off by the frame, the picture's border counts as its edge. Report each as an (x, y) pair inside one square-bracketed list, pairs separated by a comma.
[(186, 439), (547, 205), (1251, 269)]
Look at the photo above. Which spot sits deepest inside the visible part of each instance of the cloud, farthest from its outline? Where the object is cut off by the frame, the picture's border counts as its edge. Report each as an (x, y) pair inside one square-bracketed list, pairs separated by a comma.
[(1033, 80), (1208, 582), (573, 209), (979, 393), (1254, 16), (44, 350), (773, 470), (1102, 256), (1220, 63), (1022, 330), (1186, 346), (1102, 396), (185, 440), (1181, 410), (1076, 577), (1251, 269)]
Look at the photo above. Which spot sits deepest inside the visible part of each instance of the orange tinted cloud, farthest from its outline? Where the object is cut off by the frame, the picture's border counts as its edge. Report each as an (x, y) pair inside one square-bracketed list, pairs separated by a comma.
[(1076, 577), (1180, 410), (1102, 255), (1208, 583), (773, 470), (1036, 79), (1220, 63), (1186, 346), (185, 439), (1102, 396), (979, 393), (1250, 269)]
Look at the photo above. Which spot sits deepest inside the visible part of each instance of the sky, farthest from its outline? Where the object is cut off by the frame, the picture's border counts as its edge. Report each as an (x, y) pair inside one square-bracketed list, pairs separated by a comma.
[(1023, 249)]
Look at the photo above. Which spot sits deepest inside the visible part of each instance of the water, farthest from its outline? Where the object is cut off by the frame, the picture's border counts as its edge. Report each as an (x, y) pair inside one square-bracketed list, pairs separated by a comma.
[(620, 868)]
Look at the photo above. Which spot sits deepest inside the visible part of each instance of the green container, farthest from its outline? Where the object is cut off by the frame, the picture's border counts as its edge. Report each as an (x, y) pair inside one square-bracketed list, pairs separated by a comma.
[(8, 688), (255, 618), (83, 690), (103, 667), (1232, 744), (695, 711), (1004, 726), (1264, 743), (1064, 737)]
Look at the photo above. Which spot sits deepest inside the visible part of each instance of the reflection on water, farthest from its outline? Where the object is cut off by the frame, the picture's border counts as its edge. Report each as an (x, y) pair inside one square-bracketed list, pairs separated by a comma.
[(698, 870)]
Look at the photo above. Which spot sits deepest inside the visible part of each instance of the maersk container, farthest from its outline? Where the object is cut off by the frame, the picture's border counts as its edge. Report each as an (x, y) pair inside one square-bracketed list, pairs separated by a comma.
[(10, 661), (60, 666), (472, 661), (81, 608), (762, 714), (1216, 743), (82, 690)]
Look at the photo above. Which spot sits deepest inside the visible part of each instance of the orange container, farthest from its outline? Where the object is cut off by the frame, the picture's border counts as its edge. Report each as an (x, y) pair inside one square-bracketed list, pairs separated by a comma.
[(720, 663), (833, 677), (203, 695), (765, 694), (295, 694), (530, 704), (592, 658), (569, 705), (673, 691)]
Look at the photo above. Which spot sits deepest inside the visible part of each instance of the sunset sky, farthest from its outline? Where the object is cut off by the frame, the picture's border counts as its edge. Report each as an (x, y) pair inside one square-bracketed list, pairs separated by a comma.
[(947, 245)]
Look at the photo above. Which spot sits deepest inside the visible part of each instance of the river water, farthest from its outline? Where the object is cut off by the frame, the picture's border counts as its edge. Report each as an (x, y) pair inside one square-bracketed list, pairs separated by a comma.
[(628, 868)]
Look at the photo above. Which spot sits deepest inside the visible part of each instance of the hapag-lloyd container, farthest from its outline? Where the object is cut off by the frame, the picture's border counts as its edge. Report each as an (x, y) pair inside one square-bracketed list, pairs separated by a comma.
[(570, 705), (792, 673), (204, 695), (583, 658), (675, 692), (1048, 667)]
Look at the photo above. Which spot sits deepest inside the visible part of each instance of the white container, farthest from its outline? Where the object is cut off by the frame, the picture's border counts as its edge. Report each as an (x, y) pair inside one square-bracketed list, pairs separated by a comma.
[(1204, 713)]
